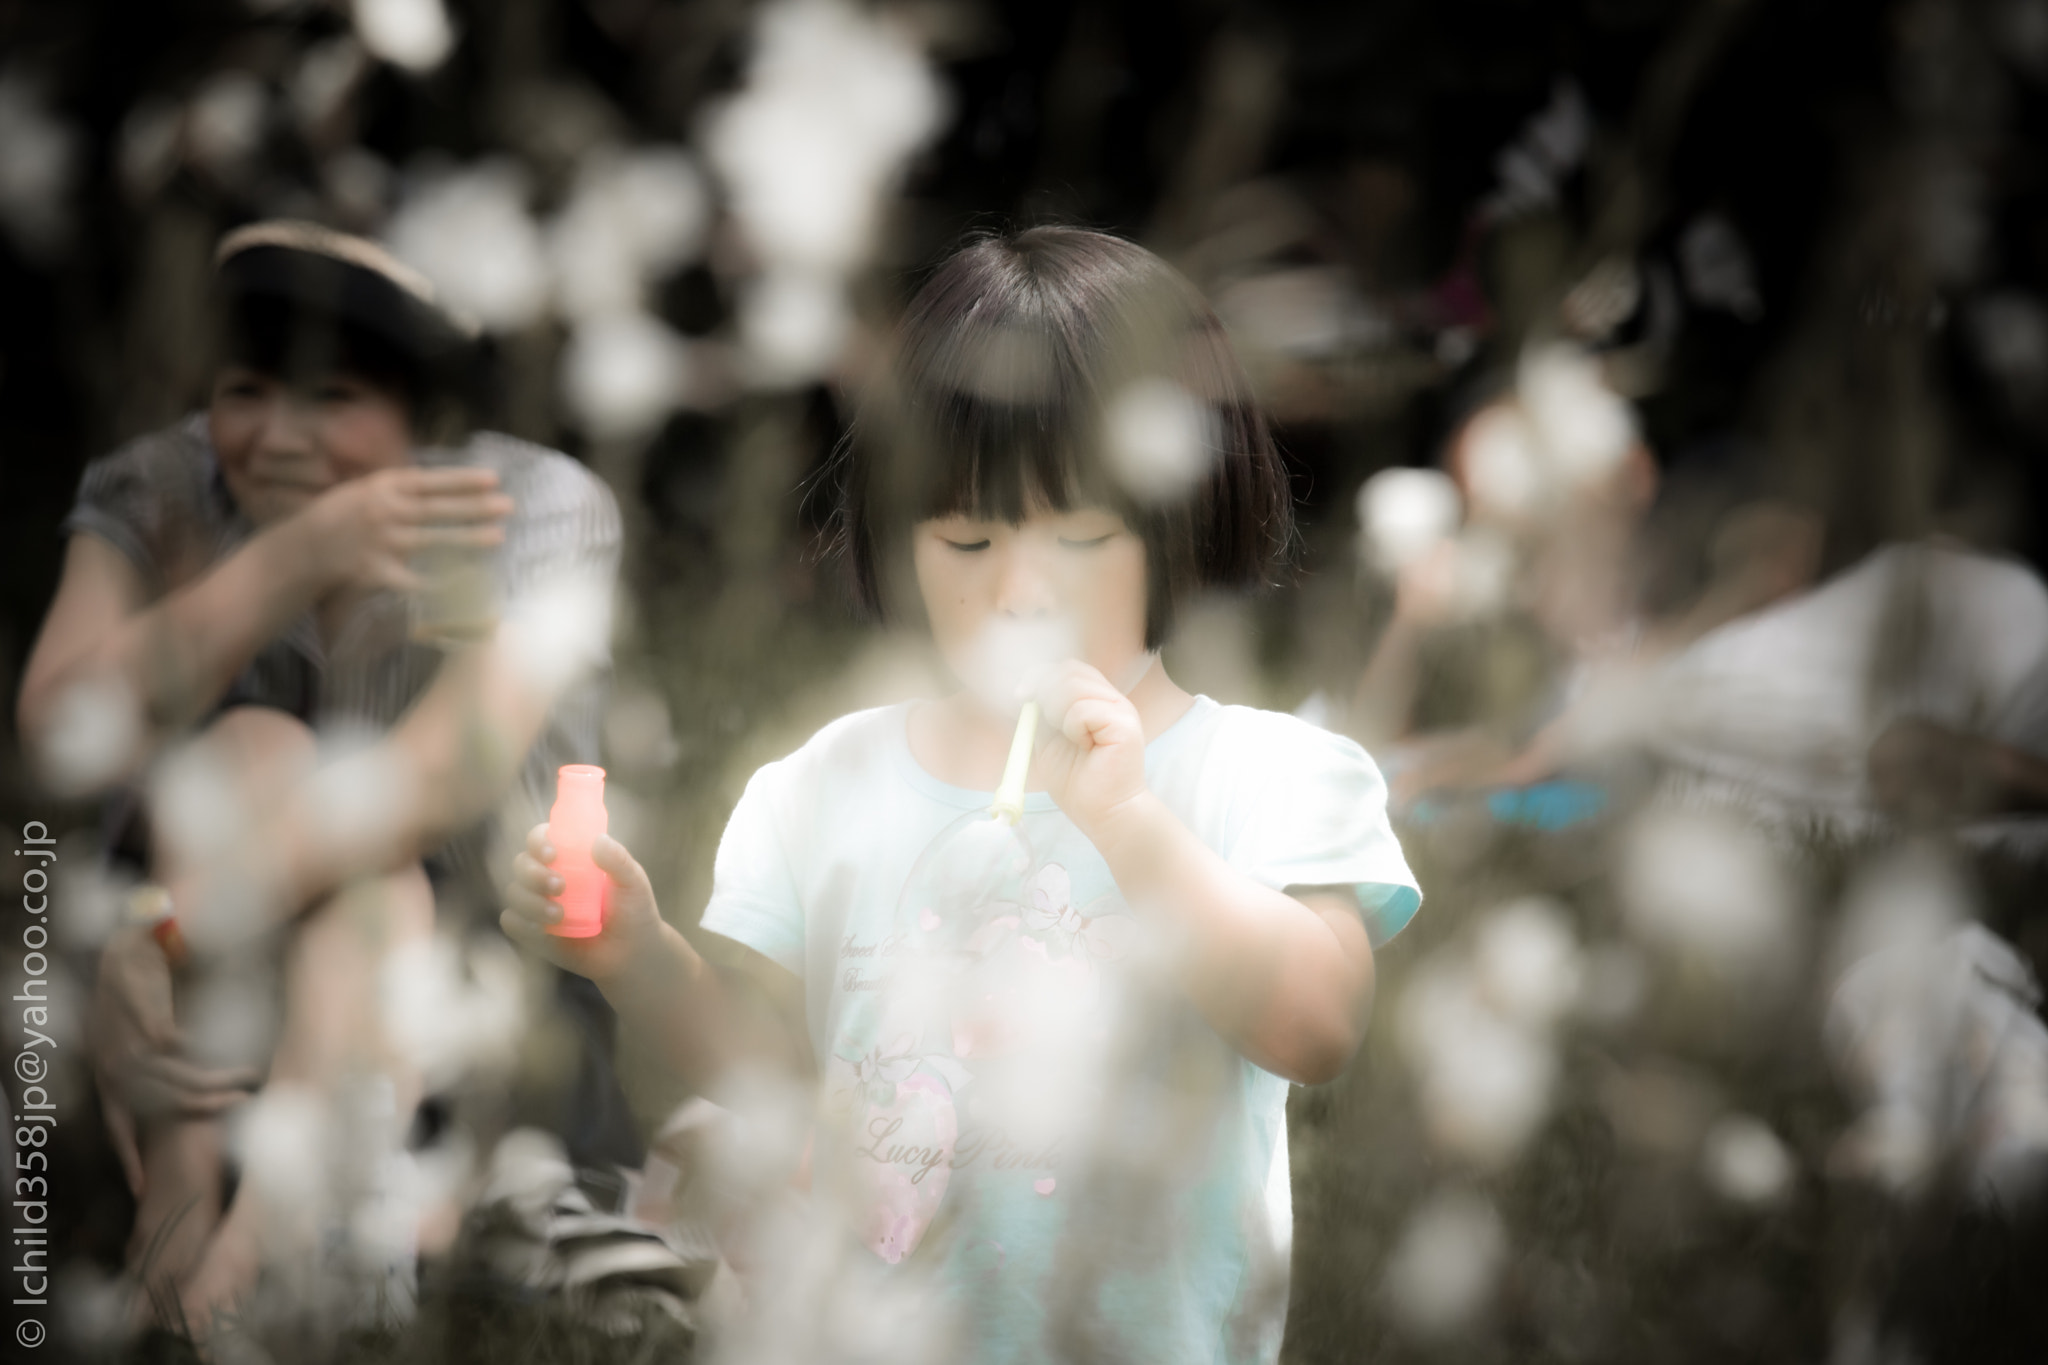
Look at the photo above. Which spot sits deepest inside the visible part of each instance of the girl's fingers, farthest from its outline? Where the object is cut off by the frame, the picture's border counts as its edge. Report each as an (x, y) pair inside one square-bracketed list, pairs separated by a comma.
[(535, 876), (537, 941), (525, 934), (611, 855), (531, 906), (1072, 686), (1093, 721), (537, 843)]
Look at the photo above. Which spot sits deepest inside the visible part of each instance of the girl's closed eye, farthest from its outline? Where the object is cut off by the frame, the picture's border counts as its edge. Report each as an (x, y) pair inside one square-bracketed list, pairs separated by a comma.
[(1088, 529)]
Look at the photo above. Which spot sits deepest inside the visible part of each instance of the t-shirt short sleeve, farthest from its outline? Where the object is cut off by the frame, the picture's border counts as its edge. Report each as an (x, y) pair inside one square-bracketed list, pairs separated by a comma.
[(1317, 816), (754, 899), (154, 501)]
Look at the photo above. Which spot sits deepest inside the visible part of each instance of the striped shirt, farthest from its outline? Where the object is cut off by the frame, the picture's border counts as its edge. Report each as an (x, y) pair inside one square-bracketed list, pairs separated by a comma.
[(162, 502)]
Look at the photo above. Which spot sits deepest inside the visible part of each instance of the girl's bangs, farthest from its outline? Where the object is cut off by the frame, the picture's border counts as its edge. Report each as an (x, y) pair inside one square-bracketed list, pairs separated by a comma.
[(1002, 461), (1003, 425)]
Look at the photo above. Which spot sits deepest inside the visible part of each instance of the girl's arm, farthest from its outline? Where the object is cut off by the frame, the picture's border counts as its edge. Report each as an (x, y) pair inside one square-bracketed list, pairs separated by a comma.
[(694, 1021), (1287, 981)]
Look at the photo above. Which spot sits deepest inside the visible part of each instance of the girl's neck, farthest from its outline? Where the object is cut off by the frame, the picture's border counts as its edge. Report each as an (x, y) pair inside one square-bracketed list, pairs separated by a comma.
[(961, 743)]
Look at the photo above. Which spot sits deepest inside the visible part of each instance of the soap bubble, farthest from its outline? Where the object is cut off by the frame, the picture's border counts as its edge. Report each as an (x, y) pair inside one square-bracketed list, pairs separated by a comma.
[(282, 1140), (2009, 331), (1903, 901), (1527, 960), (1450, 1254), (91, 897), (1614, 982), (199, 809), (229, 1016), (559, 631), (833, 102), (453, 1012), (39, 156), (1010, 653), (1745, 1162), (1502, 468), (359, 794), (468, 230), (1158, 440), (94, 735), (225, 125), (327, 75), (413, 34), (633, 217), (623, 373), (1717, 268), (1404, 513), (148, 149), (1702, 884), (1485, 1081), (1583, 430), (794, 323)]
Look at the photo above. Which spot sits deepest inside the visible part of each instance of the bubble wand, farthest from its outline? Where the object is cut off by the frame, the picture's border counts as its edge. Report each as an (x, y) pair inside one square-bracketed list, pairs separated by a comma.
[(1009, 803)]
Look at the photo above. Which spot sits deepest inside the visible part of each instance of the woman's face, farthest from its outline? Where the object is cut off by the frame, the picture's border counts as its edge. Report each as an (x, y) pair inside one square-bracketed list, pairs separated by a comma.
[(1071, 584), (282, 445)]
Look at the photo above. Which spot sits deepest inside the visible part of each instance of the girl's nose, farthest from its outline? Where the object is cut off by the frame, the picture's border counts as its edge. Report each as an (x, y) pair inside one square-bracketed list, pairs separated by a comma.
[(1024, 587)]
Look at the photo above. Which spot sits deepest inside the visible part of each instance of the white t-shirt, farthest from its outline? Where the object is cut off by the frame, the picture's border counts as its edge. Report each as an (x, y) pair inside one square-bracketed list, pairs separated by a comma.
[(1782, 706), (1016, 1103)]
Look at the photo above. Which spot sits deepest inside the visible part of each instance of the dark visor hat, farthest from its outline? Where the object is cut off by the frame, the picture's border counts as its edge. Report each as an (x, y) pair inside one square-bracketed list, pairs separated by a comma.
[(336, 282)]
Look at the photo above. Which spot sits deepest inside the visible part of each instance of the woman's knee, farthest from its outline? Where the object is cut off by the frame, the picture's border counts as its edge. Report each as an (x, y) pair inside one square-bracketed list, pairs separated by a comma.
[(260, 745)]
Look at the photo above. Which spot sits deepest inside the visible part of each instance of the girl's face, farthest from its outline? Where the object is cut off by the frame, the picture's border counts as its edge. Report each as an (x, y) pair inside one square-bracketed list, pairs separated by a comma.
[(282, 445), (1081, 572)]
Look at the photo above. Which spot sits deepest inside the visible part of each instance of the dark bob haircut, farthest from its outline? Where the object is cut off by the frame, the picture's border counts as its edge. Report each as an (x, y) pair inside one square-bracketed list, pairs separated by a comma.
[(297, 300), (1010, 388)]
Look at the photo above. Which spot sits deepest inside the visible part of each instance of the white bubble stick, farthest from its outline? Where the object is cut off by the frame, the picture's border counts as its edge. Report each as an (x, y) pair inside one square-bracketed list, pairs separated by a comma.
[(1009, 802)]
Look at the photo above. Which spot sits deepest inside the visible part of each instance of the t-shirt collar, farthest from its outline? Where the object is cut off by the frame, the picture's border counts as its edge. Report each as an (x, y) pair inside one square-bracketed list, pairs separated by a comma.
[(1156, 749)]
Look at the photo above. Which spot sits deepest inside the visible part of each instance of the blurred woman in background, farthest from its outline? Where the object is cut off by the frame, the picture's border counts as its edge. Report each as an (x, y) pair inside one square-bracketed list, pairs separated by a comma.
[(300, 563)]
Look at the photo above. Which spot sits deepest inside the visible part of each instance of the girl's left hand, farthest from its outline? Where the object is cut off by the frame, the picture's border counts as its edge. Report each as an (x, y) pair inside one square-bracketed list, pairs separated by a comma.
[(1093, 758)]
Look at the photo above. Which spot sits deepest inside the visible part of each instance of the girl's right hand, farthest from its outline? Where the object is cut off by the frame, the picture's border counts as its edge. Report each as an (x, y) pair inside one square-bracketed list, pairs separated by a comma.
[(631, 926)]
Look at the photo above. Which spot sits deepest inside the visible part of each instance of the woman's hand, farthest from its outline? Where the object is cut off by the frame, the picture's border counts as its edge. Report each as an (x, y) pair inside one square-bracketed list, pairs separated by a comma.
[(135, 1044), (631, 926), (363, 533), (1093, 757)]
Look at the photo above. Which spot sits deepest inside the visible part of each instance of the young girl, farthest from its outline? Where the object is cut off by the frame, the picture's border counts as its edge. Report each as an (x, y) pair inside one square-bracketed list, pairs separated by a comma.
[(1051, 1065)]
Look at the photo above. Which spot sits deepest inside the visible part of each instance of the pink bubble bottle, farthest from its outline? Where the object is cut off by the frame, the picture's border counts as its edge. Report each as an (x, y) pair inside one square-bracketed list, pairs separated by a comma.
[(574, 824)]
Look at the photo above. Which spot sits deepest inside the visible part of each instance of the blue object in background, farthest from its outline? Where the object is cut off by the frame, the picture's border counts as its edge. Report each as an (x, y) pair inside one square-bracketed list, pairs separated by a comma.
[(1544, 806)]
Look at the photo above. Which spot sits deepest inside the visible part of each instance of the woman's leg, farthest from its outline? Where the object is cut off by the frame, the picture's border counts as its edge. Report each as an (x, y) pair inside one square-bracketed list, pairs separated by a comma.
[(331, 1048), (259, 750)]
